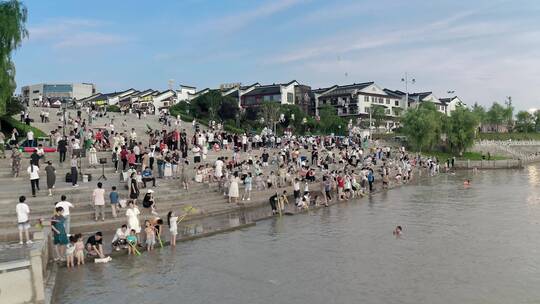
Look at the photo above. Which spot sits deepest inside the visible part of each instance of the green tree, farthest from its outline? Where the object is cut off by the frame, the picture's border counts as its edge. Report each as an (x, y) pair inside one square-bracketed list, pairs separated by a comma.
[(496, 115), (269, 111), (422, 126), (330, 122), (460, 129), (12, 31), (378, 115), (525, 122), (480, 113), (228, 109), (537, 120)]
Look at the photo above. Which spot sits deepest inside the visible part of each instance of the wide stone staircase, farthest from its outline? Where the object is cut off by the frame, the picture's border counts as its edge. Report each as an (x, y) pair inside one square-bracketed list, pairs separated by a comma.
[(169, 195)]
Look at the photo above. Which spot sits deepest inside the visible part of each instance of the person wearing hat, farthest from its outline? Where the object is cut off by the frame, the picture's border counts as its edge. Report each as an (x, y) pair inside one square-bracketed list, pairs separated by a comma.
[(51, 176), (149, 201)]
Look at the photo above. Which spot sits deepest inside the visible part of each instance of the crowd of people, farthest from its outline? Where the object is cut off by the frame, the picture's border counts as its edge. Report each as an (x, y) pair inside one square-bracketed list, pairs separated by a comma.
[(315, 170)]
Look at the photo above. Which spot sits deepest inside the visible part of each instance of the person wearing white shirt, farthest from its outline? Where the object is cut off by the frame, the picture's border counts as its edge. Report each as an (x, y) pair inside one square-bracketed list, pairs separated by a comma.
[(23, 219), (30, 138), (98, 197), (66, 206), (33, 172)]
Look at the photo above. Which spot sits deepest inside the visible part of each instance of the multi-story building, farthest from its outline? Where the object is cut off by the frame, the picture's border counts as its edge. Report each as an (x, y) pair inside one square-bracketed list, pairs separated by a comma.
[(239, 91), (38, 93), (452, 103), (358, 99), (282, 93), (185, 93)]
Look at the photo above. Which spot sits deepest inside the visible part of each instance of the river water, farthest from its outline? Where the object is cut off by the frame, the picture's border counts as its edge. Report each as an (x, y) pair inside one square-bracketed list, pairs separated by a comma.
[(460, 245)]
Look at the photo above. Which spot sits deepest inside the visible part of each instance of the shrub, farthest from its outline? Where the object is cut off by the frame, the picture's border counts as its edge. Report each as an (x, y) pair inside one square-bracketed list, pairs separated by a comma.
[(113, 108), (8, 123)]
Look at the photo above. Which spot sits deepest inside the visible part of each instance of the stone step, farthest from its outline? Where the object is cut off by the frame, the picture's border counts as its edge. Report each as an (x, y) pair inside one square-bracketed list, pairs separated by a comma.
[(89, 225)]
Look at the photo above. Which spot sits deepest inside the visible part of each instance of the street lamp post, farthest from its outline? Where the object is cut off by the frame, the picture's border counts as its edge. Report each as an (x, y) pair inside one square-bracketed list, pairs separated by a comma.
[(406, 80), (64, 106)]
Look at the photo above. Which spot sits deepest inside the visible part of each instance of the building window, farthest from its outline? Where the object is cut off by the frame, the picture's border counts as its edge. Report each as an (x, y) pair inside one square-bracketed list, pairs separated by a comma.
[(366, 98), (35, 91), (290, 98), (387, 101), (396, 102), (267, 97)]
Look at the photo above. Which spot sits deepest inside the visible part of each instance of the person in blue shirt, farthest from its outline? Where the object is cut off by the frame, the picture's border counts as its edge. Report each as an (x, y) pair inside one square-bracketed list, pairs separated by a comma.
[(147, 177), (113, 196), (371, 179)]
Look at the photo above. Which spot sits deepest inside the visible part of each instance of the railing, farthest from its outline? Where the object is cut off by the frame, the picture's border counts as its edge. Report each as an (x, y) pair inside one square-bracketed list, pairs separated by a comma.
[(509, 142)]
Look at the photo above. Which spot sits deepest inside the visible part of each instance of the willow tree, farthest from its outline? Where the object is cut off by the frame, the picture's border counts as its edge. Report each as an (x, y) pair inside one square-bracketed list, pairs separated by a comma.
[(12, 32)]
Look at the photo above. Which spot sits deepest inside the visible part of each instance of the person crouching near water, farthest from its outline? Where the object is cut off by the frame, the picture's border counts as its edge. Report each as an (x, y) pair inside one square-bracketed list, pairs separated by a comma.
[(172, 222), (398, 231)]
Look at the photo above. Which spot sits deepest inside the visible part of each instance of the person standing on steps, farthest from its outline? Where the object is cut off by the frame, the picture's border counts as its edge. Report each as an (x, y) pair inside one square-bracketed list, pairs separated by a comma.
[(51, 176), (62, 149), (66, 206), (33, 172), (23, 220), (74, 171), (98, 198)]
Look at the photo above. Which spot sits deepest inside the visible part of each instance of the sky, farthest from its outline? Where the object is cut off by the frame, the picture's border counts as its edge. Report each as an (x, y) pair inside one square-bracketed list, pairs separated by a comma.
[(483, 50)]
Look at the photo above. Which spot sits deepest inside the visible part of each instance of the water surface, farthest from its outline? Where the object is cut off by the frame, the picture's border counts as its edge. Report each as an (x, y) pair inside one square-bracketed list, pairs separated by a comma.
[(460, 245)]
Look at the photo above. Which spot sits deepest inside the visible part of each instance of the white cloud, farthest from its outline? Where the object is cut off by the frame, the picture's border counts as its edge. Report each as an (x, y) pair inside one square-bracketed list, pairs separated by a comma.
[(74, 33), (234, 22)]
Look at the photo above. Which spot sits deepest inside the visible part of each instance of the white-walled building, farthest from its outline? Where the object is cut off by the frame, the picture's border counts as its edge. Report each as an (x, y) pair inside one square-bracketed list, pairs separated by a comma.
[(283, 93), (162, 101), (452, 103), (357, 99), (239, 91), (186, 93), (34, 94)]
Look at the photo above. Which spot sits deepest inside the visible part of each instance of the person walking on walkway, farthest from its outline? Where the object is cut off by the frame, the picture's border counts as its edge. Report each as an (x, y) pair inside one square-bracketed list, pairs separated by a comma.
[(98, 197), (51, 176), (62, 149), (23, 219), (33, 172), (74, 171), (16, 156)]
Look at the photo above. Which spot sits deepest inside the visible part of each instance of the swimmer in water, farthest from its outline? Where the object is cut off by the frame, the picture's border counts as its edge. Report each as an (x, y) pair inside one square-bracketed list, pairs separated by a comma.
[(397, 232), (467, 182)]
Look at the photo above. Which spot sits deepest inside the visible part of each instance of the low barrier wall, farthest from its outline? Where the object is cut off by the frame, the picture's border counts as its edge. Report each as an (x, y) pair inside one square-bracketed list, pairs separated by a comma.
[(489, 164), (22, 281)]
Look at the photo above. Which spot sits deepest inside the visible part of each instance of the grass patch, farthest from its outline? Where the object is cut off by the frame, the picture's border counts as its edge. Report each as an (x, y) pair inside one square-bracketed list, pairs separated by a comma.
[(442, 156), (8, 123)]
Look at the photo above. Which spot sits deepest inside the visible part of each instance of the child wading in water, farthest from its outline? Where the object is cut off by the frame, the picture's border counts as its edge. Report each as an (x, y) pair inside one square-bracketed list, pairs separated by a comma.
[(132, 241), (172, 221), (70, 252), (150, 235), (79, 249)]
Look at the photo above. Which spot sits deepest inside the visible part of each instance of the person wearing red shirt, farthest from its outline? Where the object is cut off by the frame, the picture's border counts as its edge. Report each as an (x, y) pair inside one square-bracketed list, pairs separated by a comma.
[(340, 186), (123, 157)]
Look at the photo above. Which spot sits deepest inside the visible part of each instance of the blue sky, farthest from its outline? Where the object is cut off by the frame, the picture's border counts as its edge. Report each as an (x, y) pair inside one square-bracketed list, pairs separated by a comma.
[(483, 50)]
